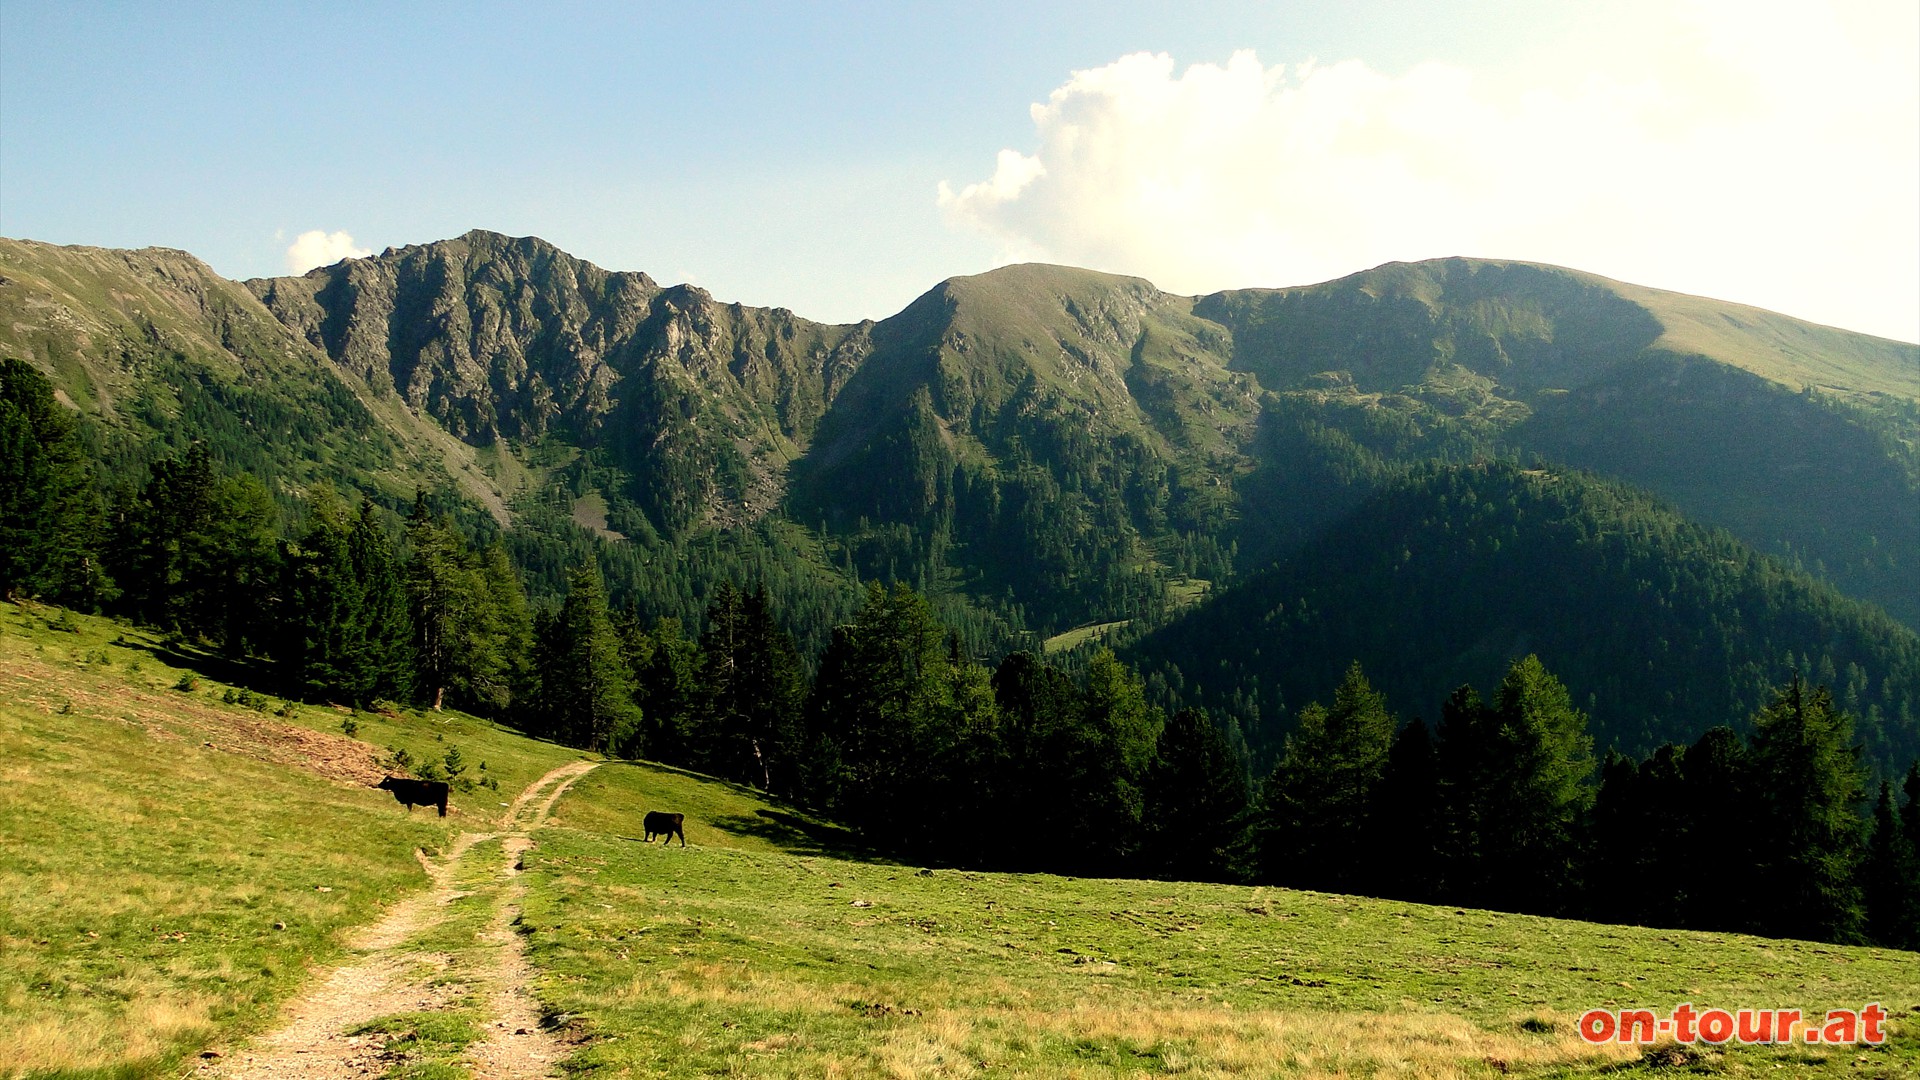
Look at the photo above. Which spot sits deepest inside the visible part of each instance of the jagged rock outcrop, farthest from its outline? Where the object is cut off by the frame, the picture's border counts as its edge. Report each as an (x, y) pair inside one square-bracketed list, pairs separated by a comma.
[(502, 337)]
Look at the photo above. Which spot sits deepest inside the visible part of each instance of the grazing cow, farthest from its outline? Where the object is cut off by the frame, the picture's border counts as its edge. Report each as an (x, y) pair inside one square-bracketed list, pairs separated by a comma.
[(412, 793), (667, 826)]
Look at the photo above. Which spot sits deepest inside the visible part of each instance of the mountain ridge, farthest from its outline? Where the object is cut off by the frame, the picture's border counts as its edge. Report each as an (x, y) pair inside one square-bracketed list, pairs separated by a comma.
[(1052, 445)]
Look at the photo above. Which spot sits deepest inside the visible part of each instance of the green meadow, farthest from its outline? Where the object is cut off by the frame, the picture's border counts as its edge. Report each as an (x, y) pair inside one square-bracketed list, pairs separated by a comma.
[(179, 866), (752, 955)]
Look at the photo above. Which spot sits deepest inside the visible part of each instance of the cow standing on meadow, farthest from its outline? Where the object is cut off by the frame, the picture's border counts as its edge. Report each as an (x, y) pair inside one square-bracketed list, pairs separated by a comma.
[(412, 793), (666, 825)]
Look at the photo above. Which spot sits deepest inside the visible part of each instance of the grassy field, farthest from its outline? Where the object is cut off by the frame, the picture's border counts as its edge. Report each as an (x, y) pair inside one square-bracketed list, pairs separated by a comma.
[(748, 955), (176, 865), (1080, 635)]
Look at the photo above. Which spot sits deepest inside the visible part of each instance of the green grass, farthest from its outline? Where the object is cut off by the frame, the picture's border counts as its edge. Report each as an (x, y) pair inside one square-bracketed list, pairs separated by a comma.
[(615, 798), (1080, 635), (155, 836), (157, 889), (745, 958), (512, 760), (769, 946)]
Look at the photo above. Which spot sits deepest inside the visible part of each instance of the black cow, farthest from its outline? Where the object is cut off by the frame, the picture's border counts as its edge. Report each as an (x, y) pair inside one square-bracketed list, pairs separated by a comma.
[(412, 793), (667, 826)]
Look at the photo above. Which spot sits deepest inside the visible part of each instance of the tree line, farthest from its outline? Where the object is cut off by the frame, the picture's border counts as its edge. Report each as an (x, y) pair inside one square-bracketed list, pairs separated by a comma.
[(1025, 763), (1504, 805)]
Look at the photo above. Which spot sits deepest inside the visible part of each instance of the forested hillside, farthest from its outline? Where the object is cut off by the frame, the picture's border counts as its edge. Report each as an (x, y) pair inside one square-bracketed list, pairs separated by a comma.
[(1661, 627)]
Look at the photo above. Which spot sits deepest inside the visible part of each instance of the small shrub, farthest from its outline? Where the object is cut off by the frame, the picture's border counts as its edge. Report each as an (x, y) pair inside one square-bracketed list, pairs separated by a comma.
[(64, 622), (398, 760), (350, 727), (188, 683), (246, 699), (287, 709)]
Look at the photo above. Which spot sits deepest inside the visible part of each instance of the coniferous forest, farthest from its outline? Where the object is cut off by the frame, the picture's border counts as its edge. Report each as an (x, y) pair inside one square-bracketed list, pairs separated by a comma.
[(1208, 595)]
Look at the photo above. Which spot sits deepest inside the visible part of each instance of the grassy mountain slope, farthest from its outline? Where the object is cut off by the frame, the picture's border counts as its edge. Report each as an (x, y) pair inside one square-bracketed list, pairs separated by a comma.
[(1066, 437), (729, 958), (1661, 628), (763, 949), (156, 350), (1798, 438)]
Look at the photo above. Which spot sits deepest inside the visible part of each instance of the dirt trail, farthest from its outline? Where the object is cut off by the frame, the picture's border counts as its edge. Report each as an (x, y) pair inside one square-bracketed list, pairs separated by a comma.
[(313, 1043)]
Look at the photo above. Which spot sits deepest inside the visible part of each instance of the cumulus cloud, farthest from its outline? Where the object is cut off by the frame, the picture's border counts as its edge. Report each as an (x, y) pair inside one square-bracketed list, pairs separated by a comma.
[(1767, 156), (321, 248)]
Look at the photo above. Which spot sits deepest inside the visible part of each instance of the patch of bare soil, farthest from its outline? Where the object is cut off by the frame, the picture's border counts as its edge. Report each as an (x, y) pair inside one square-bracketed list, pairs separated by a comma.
[(516, 1047)]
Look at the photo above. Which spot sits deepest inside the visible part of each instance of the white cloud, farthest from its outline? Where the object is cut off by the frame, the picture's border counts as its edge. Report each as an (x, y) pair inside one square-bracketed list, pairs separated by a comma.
[(1766, 156), (320, 248)]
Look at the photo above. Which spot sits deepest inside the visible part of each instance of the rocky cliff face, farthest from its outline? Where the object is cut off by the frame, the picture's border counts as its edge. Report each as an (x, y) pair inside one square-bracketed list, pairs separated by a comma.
[(499, 337)]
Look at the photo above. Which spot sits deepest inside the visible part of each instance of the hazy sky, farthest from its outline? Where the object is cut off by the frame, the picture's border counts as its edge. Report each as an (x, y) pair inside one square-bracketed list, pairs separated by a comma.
[(839, 159)]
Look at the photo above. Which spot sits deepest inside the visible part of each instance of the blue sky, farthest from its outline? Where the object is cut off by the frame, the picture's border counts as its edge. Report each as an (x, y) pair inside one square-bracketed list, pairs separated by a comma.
[(795, 155)]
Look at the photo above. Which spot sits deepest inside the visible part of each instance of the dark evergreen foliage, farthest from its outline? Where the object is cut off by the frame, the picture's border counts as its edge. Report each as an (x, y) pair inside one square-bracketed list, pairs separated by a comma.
[(1314, 817), (196, 553), (1197, 802), (1661, 627), (1810, 783), (51, 522), (1890, 879), (586, 689), (1404, 841), (751, 689)]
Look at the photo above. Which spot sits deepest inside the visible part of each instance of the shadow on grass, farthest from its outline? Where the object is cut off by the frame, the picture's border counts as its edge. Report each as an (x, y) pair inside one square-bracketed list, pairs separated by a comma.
[(202, 662), (785, 827), (796, 835)]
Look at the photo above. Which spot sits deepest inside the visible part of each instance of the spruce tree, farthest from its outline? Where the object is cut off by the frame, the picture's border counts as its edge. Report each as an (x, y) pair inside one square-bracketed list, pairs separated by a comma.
[(1890, 878), (751, 691), (1516, 778), (1034, 788), (1404, 820), (1197, 798), (198, 553), (51, 524), (1313, 816), (472, 632), (586, 691), (1719, 808), (1809, 780), (386, 627), (666, 676), (877, 715), (1110, 752), (891, 721), (1617, 854), (1910, 813), (441, 598), (321, 644)]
